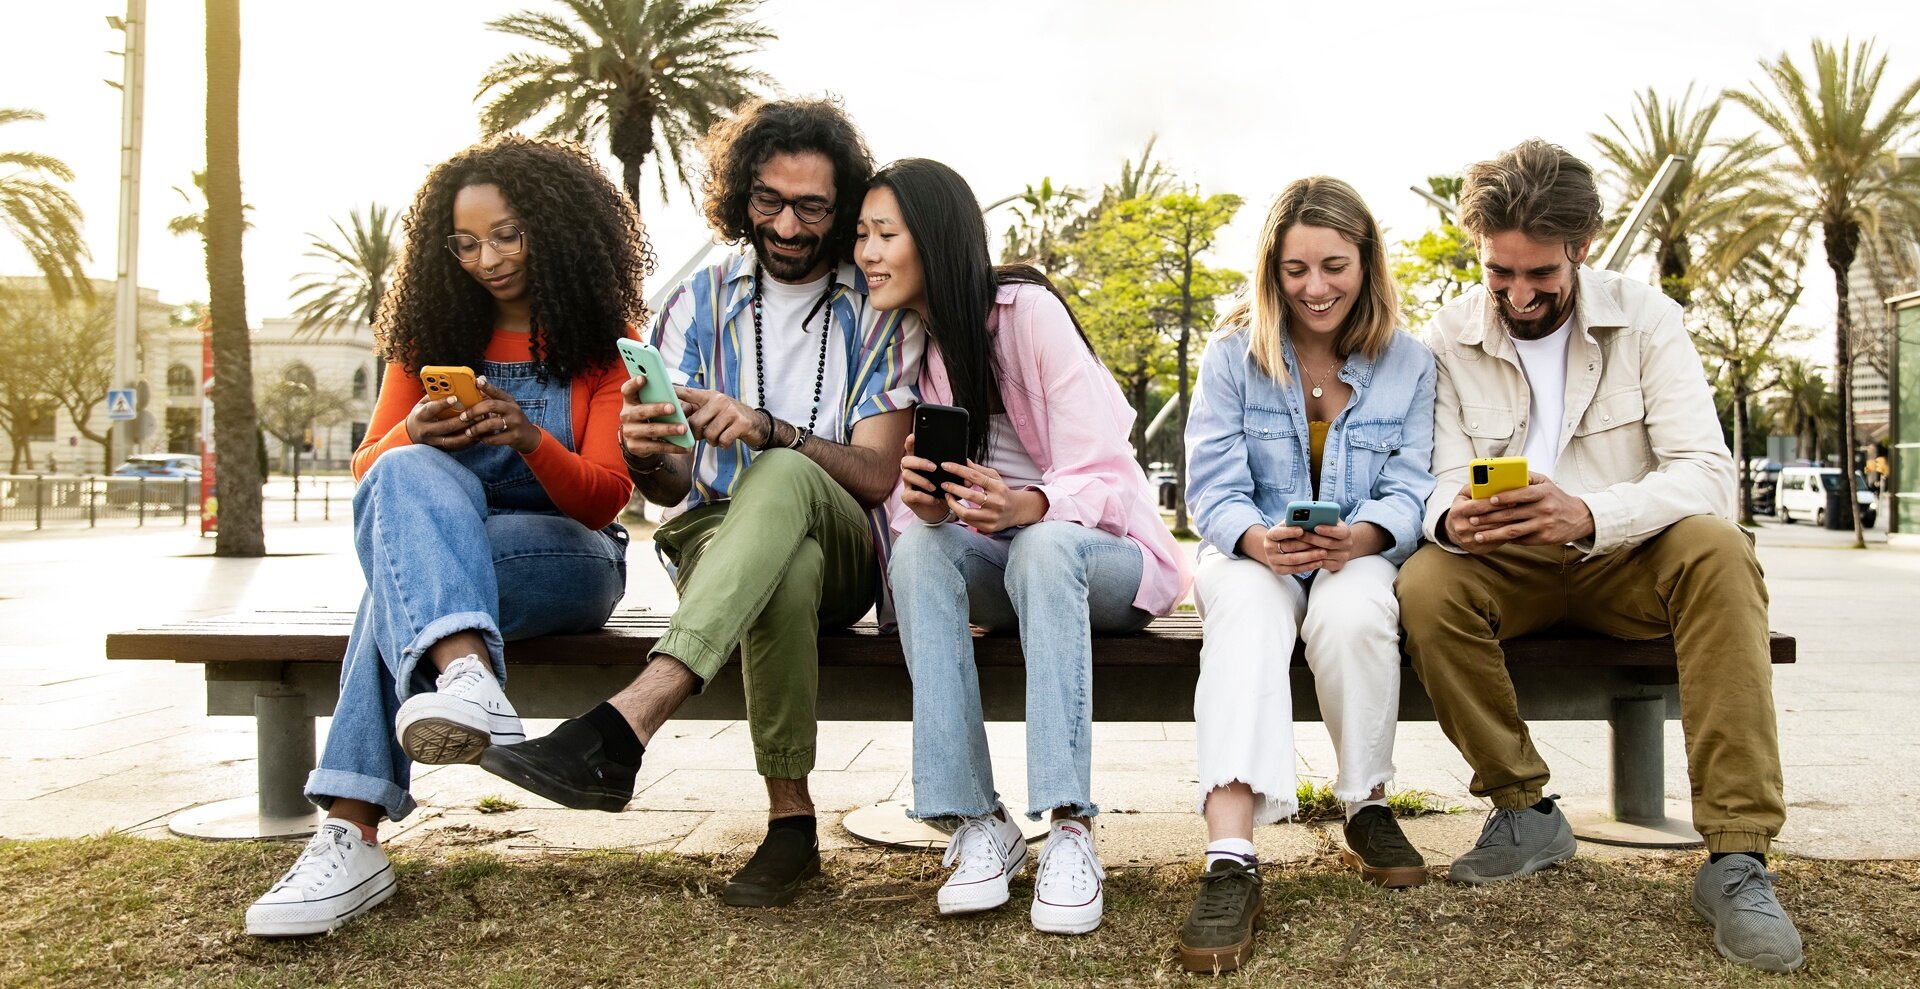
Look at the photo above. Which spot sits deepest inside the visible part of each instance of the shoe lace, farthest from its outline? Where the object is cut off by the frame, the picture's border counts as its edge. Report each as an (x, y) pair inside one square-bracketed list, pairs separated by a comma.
[(1750, 886), (970, 843), (325, 854), (1071, 853), (1222, 892), (1381, 836), (460, 676), (1498, 821)]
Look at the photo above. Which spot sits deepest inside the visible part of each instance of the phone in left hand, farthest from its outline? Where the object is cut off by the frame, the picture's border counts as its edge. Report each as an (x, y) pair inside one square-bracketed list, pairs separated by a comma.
[(443, 381), (1308, 515), (643, 361)]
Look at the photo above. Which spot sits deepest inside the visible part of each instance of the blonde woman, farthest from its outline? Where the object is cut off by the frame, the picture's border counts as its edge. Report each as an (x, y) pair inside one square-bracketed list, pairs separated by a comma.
[(1309, 393)]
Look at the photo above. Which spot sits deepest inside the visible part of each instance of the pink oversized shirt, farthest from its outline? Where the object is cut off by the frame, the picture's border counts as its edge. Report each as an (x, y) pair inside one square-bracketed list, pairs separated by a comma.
[(1074, 422)]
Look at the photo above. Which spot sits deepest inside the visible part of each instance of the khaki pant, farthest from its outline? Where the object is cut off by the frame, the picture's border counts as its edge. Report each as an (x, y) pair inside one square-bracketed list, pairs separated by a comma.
[(791, 552), (1699, 582)]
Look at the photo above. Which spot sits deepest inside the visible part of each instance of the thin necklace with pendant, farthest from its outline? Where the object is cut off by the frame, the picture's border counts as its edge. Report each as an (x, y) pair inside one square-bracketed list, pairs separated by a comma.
[(1316, 378)]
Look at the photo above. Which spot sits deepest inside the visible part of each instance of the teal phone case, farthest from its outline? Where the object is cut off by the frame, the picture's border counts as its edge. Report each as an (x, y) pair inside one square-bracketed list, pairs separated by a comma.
[(645, 362), (1310, 515)]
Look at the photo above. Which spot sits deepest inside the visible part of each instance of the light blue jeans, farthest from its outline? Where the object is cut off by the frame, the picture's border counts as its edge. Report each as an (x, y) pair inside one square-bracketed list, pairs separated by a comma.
[(1056, 583), (438, 560)]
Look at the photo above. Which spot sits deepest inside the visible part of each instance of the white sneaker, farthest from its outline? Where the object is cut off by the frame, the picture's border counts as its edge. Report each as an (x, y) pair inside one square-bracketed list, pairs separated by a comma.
[(990, 851), (338, 877), (465, 713), (1069, 886)]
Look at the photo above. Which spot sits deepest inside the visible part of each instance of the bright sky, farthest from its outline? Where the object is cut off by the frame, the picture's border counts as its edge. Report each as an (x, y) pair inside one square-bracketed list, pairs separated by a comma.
[(353, 100)]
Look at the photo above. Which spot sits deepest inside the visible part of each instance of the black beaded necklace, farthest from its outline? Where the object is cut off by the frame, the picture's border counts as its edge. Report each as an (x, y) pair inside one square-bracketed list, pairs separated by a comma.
[(826, 324)]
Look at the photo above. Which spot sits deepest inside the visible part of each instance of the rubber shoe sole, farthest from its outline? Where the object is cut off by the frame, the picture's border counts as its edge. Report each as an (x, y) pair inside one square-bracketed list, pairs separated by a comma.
[(1225, 958), (1049, 918), (439, 731), (1765, 961), (379, 890), (959, 901), (1550, 856), (1390, 877), (502, 761), (735, 894)]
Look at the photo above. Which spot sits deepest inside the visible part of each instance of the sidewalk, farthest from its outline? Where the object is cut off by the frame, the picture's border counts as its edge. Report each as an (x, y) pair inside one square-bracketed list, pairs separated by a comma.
[(93, 745)]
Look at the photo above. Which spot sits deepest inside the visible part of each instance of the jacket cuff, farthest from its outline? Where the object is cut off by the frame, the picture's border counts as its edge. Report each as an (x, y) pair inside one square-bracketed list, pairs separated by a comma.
[(1611, 523), (1225, 530), (1404, 531)]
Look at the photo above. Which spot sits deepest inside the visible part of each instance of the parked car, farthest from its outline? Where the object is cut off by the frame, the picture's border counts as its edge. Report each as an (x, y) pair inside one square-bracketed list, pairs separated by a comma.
[(160, 465), (179, 471), (1814, 493), (1764, 476)]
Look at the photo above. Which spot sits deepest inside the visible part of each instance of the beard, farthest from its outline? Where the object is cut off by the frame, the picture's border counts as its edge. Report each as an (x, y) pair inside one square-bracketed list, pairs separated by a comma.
[(813, 249), (1542, 324)]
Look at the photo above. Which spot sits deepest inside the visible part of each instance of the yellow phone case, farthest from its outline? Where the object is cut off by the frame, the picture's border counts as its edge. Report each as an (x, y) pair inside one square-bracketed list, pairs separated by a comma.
[(442, 381), (1492, 475)]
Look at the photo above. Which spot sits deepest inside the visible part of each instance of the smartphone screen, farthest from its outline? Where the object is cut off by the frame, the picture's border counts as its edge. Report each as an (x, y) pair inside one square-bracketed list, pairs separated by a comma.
[(940, 435)]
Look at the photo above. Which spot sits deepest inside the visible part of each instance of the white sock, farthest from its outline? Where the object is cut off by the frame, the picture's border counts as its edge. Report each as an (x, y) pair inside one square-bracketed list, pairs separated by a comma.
[(1355, 806), (1236, 849)]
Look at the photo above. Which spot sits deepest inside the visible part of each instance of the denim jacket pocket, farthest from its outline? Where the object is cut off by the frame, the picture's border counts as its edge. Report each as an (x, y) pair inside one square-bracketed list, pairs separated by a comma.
[(1271, 438), (1369, 445)]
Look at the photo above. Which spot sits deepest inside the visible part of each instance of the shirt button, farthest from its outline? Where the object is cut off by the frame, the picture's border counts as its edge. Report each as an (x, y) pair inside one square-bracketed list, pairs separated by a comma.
[(1606, 418), (1473, 425)]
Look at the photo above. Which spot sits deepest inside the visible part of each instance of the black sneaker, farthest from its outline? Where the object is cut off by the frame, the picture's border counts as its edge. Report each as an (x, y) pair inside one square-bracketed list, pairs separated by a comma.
[(786, 858), (1218, 934), (1381, 852), (569, 767)]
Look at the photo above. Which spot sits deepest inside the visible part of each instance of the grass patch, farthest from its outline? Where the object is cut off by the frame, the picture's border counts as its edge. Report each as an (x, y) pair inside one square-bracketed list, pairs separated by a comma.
[(125, 911), (492, 804), (1317, 803)]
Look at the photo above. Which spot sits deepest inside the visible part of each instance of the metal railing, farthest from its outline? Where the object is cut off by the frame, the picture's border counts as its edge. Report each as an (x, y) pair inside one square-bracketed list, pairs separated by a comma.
[(39, 501)]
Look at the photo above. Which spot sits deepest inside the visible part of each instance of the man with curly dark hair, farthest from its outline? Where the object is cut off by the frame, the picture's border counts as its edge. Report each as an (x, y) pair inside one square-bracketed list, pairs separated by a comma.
[(796, 391)]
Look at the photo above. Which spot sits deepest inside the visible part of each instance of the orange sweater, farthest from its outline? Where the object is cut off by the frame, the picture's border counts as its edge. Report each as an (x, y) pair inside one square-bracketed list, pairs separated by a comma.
[(590, 486)]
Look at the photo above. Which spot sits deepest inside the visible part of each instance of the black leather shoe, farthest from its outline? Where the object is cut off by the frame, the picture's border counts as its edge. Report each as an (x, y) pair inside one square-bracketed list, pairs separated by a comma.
[(569, 767), (772, 877)]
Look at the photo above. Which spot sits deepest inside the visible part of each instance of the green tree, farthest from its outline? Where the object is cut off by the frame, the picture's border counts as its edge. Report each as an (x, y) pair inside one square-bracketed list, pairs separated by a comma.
[(1709, 190), (292, 406), (1437, 266), (1042, 214), (235, 423), (362, 259), (60, 354), (24, 400), (1838, 169), (1115, 301), (41, 215), (1804, 402), (650, 75)]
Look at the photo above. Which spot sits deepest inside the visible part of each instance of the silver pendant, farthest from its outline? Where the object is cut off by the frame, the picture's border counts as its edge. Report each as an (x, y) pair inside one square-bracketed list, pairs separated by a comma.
[(1316, 391)]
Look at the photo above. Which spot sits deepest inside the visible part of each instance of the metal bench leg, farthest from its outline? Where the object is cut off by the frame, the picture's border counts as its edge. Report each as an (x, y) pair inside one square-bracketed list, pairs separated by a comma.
[(1640, 816), (284, 742)]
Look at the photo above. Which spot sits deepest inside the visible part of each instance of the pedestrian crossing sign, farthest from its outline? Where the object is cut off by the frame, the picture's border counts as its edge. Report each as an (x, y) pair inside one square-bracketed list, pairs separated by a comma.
[(120, 404)]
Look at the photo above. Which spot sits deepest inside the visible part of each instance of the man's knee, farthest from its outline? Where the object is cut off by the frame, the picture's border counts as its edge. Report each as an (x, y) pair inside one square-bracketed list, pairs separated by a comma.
[(797, 595), (780, 470), (1431, 585), (1710, 539)]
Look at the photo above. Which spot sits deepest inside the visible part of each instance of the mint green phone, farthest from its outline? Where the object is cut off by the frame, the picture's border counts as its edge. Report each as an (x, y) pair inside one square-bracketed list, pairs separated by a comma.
[(645, 362)]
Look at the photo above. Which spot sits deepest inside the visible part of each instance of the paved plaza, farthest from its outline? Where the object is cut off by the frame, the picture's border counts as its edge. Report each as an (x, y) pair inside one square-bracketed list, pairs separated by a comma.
[(93, 746)]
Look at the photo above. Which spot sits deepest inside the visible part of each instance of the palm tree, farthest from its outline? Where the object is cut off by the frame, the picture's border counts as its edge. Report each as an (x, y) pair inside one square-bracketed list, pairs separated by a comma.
[(1042, 214), (235, 423), (1803, 400), (651, 75), (1839, 170), (41, 215), (194, 224), (362, 260), (1708, 190)]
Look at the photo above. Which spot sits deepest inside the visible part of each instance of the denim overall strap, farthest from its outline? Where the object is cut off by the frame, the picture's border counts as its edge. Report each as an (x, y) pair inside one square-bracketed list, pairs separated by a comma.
[(509, 482)]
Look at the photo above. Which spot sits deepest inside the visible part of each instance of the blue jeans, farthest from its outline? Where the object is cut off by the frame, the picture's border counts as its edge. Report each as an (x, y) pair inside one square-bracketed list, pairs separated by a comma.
[(1056, 583), (439, 560)]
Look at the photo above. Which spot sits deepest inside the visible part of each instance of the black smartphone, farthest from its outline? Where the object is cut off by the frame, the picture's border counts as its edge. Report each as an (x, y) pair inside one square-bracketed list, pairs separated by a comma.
[(940, 435)]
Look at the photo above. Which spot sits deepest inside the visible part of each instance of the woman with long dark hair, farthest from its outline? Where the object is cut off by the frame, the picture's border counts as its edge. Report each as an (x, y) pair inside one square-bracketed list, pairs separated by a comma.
[(1051, 531), (475, 523)]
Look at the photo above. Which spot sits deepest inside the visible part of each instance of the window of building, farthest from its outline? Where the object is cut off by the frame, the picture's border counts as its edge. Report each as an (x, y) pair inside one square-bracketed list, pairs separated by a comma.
[(179, 381)]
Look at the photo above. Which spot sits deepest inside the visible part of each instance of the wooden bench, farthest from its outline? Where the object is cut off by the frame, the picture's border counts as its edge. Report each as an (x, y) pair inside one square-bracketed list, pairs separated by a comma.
[(283, 669)]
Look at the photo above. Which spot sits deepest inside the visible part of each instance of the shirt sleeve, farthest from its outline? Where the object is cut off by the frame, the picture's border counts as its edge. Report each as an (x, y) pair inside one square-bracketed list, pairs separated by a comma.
[(889, 372), (399, 393), (1219, 474), (671, 336), (590, 486), (1452, 449), (1399, 498), (1092, 464)]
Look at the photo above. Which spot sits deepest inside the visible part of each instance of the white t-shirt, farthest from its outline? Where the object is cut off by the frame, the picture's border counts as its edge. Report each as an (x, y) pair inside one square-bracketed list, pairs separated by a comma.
[(793, 356), (1544, 361), (1009, 457)]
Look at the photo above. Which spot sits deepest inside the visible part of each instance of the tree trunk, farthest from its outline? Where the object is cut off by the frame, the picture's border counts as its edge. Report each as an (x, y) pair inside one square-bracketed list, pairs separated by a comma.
[(235, 422), (1180, 418), (1744, 472), (1137, 391), (630, 138), (1843, 372)]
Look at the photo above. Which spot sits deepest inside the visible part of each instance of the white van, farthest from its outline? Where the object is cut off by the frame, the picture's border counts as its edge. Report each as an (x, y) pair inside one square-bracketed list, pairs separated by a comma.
[(1801, 493)]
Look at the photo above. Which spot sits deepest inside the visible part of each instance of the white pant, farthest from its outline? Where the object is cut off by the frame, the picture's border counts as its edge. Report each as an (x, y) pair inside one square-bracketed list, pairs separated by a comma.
[(1243, 705)]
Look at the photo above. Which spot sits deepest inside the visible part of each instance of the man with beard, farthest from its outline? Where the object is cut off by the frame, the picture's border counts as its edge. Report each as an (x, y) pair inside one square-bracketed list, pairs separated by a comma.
[(795, 391), (1624, 529)]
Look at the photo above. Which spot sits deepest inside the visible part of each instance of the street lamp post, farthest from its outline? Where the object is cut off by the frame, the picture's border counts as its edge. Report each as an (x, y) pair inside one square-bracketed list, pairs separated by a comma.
[(126, 322)]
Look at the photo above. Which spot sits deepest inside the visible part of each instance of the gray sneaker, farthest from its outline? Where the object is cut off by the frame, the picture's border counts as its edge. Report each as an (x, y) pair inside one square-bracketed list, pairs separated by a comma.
[(1515, 843), (1735, 895)]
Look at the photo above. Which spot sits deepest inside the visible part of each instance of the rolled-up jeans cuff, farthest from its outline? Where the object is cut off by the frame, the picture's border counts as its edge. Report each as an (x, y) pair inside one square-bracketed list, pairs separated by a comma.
[(1737, 841), (440, 628), (324, 786), (693, 652)]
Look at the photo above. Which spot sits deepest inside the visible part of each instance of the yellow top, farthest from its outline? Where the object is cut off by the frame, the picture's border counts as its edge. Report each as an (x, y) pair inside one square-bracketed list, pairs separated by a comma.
[(1316, 446)]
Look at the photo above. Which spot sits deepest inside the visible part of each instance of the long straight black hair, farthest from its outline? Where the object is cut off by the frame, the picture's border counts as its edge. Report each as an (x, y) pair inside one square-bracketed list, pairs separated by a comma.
[(943, 218)]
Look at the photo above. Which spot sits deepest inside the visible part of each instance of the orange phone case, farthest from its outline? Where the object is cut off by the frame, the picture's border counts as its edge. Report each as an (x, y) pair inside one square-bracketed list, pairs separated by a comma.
[(441, 381)]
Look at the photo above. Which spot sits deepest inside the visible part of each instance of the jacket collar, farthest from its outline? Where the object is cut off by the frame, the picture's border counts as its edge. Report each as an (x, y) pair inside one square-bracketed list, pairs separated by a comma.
[(1358, 369), (743, 265), (1594, 308)]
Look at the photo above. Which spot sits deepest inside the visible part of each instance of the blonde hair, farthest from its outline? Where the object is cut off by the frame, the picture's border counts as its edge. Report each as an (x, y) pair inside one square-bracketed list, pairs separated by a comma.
[(1319, 201)]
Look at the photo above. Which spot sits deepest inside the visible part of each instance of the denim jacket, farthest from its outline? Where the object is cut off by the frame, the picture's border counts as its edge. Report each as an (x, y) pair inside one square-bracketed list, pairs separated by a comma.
[(1247, 444)]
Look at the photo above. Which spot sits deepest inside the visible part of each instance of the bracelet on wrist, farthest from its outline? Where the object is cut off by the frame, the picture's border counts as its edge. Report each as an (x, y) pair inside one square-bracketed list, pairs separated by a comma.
[(935, 525)]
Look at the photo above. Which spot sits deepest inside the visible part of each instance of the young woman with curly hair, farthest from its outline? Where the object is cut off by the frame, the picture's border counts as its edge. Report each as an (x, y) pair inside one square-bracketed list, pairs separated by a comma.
[(474, 524)]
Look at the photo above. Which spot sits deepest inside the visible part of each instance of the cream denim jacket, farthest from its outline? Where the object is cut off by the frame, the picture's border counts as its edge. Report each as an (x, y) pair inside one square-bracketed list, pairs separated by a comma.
[(1641, 442)]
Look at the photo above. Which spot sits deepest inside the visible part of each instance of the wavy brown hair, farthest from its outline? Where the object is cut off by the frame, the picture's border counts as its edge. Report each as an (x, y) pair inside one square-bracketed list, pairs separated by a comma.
[(759, 129), (1537, 188), (587, 258)]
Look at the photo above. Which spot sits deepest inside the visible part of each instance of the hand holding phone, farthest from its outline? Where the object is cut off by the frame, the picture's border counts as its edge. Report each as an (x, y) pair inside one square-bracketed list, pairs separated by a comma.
[(451, 381), (939, 437), (645, 363), (1307, 515), (1492, 475)]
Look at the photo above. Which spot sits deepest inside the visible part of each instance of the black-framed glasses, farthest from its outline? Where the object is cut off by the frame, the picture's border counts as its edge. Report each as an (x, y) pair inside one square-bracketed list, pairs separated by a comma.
[(506, 241), (810, 209)]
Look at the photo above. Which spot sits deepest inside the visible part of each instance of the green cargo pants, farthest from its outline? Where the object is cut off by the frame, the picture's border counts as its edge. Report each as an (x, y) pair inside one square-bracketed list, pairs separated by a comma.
[(764, 571)]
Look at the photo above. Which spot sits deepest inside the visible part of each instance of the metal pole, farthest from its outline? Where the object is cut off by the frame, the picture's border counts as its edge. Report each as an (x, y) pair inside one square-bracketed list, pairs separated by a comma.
[(90, 503), (140, 498), (1446, 208), (1614, 257), (39, 498), (183, 501), (126, 324), (326, 501), (1639, 758), (284, 741)]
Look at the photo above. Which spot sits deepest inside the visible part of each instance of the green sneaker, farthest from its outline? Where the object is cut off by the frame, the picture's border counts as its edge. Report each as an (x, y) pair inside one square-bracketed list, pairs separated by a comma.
[(1219, 931), (1377, 847)]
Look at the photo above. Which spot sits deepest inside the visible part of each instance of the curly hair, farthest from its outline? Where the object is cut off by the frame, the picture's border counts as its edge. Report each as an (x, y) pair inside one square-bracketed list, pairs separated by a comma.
[(589, 255), (1536, 188), (737, 146)]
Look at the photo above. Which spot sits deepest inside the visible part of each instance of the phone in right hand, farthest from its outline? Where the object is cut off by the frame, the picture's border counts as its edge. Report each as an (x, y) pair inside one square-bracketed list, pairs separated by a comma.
[(1492, 475), (643, 361), (940, 435), (1310, 515)]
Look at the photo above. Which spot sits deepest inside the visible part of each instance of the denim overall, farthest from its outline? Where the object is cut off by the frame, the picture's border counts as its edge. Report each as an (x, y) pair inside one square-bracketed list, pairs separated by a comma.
[(449, 543)]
